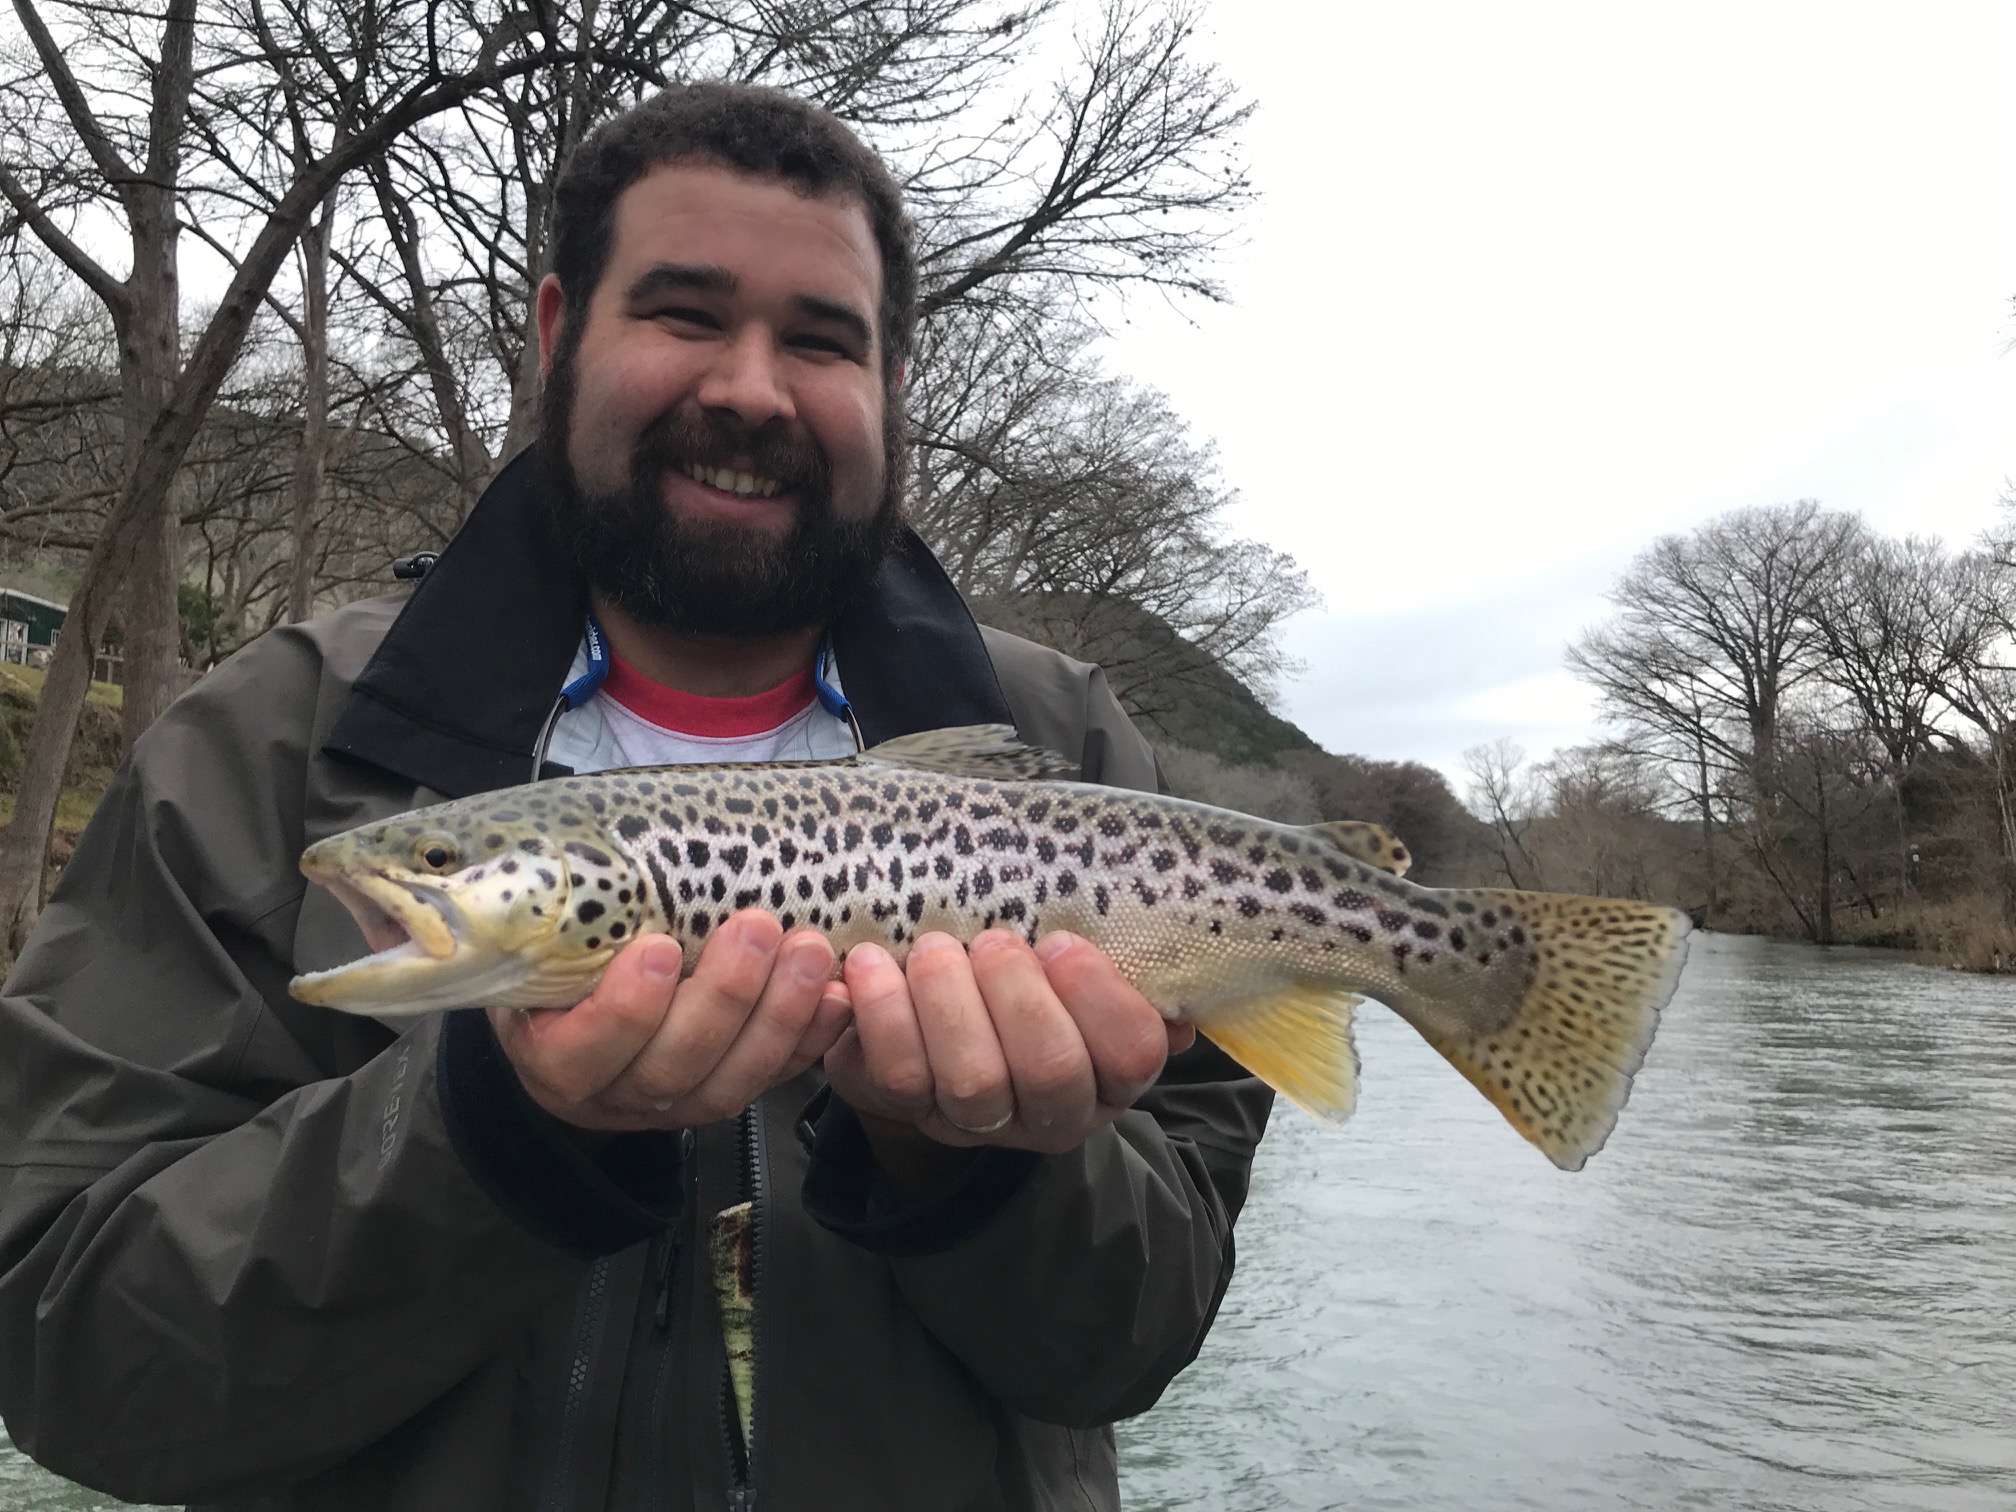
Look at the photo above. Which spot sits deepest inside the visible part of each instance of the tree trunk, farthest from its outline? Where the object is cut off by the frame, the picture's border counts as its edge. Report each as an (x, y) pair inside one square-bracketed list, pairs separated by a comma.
[(150, 357), (311, 460), (1712, 910), (24, 845), (1826, 900)]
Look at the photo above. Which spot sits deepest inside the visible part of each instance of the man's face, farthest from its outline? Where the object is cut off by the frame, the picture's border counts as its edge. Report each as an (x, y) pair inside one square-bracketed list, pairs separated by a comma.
[(721, 410)]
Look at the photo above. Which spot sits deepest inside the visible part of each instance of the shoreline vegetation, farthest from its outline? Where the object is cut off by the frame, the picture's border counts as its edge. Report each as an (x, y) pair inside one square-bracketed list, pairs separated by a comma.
[(1581, 827)]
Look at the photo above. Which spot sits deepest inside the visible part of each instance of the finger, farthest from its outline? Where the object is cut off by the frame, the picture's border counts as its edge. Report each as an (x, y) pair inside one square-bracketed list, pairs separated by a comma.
[(710, 1010), (1047, 1061), (969, 1072), (829, 1021), (1181, 1036), (762, 1052), (568, 1055), (1127, 1040), (894, 1066)]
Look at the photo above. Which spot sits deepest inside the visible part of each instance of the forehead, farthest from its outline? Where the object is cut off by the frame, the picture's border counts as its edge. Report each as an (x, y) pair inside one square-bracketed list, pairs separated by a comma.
[(774, 239)]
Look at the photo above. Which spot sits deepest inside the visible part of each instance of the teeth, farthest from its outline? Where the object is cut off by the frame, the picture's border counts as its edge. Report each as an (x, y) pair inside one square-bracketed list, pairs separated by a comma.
[(746, 485)]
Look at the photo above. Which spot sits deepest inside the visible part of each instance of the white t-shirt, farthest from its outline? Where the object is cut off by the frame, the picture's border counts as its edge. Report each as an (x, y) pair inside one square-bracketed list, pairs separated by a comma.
[(632, 721)]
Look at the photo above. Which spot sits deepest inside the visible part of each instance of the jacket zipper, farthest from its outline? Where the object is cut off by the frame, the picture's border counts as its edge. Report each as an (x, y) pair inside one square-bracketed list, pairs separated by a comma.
[(755, 1184), (560, 1485)]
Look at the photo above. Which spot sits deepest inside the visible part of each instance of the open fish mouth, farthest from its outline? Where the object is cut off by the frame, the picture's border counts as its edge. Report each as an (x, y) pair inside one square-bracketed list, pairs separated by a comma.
[(403, 921)]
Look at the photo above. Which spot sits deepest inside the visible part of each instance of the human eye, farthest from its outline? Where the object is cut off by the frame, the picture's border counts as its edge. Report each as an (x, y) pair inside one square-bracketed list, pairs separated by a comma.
[(690, 317)]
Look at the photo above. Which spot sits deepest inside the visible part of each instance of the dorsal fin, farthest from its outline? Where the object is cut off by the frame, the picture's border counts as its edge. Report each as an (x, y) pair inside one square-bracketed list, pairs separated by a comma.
[(993, 751), (1374, 844)]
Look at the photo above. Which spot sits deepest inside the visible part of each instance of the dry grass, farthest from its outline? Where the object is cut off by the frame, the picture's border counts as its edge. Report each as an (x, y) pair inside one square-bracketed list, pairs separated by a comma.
[(1970, 934), (30, 679)]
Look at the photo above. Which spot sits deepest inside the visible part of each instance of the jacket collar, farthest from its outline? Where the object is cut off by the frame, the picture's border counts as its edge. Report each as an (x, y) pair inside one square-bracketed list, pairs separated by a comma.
[(459, 689)]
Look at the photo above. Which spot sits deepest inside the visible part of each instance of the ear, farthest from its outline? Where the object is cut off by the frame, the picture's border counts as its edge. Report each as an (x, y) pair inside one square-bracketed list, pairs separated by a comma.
[(552, 313)]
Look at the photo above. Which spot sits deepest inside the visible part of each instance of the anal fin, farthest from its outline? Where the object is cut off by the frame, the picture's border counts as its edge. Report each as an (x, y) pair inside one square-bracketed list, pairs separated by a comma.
[(1298, 1041)]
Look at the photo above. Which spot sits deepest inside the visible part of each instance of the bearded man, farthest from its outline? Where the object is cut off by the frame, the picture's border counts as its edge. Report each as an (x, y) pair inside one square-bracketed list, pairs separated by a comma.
[(740, 1231)]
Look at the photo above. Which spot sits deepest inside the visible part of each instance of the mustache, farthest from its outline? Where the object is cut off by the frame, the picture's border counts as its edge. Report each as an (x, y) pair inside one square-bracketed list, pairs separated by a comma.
[(685, 441)]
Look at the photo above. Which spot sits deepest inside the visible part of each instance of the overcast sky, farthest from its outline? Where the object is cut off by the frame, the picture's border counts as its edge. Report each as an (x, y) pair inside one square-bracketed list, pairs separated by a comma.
[(1530, 285)]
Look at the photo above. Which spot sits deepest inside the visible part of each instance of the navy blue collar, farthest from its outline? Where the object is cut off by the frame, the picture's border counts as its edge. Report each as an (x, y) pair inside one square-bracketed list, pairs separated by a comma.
[(457, 693)]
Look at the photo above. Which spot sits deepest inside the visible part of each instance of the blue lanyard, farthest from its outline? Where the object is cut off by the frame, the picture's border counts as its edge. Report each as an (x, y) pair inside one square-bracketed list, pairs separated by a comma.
[(831, 699), (579, 691), (584, 687)]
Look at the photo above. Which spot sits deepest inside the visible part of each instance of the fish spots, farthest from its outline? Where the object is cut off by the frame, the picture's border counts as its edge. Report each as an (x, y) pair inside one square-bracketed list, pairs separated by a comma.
[(618, 929), (1392, 921), (1279, 880), (941, 867), (1352, 900), (1067, 884), (698, 852), (1046, 849), (1427, 929), (630, 826), (1224, 873), (735, 857), (882, 834), (1163, 860), (1308, 913), (1100, 900), (1192, 889), (913, 907), (1249, 907), (1112, 826), (1456, 939), (740, 805)]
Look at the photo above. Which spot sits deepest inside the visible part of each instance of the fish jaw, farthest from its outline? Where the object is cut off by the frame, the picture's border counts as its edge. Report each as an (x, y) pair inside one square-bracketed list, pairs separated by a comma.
[(428, 952)]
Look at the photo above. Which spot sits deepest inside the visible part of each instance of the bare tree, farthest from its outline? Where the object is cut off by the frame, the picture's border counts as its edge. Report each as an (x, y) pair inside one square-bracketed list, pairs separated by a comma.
[(1503, 792), (384, 66), (1714, 630)]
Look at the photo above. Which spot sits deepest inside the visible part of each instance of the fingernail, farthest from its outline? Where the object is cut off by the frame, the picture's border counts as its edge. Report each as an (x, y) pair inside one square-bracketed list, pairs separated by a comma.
[(870, 957), (661, 960), (808, 959), (1052, 946), (936, 940)]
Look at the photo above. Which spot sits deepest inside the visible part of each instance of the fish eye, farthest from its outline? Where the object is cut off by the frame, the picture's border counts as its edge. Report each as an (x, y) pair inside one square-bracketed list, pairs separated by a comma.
[(437, 854)]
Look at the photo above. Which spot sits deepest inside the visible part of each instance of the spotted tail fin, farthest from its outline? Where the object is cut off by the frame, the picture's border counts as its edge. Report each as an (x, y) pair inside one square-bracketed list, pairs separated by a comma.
[(1558, 1059)]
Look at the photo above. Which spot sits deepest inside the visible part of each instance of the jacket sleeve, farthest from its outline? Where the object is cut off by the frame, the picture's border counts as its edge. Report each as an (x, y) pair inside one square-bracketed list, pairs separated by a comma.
[(1074, 1286), (236, 1240)]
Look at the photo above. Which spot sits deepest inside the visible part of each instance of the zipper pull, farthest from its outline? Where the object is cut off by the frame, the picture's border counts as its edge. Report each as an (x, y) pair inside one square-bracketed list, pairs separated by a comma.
[(661, 1310)]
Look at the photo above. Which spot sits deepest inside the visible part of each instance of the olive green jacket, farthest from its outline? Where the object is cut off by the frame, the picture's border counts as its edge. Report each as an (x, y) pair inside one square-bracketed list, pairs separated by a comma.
[(255, 1254)]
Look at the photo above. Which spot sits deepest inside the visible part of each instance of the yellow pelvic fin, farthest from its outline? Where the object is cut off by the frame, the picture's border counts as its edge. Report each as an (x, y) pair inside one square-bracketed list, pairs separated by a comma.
[(1374, 844), (1298, 1041), (1598, 972)]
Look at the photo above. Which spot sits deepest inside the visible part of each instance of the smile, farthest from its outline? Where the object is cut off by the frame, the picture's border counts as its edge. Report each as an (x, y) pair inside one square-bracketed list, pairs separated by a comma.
[(743, 485)]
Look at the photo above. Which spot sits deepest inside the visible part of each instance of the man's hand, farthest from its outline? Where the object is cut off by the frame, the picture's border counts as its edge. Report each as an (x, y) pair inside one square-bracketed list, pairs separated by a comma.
[(647, 1051), (996, 1045)]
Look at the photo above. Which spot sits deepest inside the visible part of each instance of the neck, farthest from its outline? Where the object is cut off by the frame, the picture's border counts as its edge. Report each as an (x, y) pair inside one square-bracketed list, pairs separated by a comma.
[(710, 666)]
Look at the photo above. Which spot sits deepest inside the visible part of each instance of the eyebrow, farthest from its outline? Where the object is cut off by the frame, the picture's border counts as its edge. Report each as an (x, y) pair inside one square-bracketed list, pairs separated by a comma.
[(704, 278)]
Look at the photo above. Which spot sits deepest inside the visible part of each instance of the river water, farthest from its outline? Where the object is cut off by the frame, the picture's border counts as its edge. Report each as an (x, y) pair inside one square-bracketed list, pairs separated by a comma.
[(1788, 1283)]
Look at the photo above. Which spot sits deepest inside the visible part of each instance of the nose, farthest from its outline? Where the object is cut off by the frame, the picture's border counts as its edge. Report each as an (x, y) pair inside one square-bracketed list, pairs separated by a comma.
[(747, 379)]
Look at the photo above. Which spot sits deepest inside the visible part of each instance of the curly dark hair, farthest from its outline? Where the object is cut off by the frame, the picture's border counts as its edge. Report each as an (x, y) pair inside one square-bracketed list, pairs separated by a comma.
[(764, 132)]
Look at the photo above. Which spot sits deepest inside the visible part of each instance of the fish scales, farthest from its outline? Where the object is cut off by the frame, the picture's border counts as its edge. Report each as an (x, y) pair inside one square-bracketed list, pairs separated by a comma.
[(1264, 935)]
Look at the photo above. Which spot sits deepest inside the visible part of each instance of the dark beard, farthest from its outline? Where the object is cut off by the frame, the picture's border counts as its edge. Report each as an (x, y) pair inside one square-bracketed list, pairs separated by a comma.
[(711, 578)]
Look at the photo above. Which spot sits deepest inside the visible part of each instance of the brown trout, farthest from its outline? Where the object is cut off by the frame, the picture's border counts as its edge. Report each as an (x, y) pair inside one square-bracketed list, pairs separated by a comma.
[(1265, 936)]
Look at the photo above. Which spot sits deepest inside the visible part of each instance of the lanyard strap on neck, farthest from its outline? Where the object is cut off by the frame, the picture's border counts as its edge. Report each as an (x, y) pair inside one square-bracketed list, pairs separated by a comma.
[(579, 691)]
